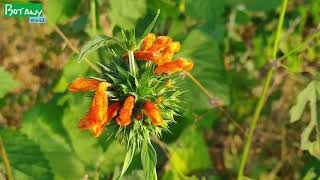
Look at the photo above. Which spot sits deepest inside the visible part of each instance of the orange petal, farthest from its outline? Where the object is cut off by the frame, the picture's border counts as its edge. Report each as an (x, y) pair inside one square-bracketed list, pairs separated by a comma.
[(112, 111), (174, 66), (124, 118), (148, 41), (169, 51), (160, 43), (82, 84), (146, 55), (153, 112), (84, 123)]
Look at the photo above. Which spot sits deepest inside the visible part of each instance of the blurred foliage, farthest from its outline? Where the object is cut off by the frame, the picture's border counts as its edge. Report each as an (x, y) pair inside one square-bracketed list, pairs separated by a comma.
[(230, 44)]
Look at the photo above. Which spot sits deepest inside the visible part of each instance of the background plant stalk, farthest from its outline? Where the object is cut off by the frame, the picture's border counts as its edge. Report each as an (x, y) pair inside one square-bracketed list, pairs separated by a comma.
[(264, 95)]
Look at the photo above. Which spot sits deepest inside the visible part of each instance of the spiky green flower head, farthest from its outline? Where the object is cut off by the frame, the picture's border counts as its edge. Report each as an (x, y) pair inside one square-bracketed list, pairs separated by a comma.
[(137, 95)]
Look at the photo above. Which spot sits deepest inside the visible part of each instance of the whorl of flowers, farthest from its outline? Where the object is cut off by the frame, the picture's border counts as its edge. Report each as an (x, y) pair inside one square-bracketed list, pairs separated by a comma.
[(136, 95)]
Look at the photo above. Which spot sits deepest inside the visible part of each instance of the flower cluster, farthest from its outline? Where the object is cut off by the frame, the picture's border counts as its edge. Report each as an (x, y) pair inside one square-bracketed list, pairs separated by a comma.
[(148, 98)]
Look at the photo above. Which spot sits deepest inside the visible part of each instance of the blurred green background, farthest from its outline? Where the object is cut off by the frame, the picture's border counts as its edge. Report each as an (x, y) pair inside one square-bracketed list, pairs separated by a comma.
[(230, 43)]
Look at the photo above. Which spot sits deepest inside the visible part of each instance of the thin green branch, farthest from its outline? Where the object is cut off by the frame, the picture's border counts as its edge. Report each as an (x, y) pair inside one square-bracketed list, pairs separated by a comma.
[(263, 97), (6, 162), (302, 46)]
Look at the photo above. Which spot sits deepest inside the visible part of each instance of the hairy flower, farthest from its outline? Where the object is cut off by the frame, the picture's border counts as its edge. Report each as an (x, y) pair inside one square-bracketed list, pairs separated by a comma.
[(153, 112), (124, 118), (168, 52), (180, 64), (83, 84), (95, 120)]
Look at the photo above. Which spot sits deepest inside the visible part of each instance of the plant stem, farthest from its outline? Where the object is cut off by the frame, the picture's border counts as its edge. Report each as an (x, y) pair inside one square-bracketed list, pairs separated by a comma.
[(263, 97), (199, 84), (132, 65), (93, 17), (76, 50), (5, 159)]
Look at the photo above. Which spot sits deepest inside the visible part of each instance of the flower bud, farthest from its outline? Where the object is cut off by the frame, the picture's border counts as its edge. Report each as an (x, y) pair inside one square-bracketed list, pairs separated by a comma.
[(153, 112), (124, 118)]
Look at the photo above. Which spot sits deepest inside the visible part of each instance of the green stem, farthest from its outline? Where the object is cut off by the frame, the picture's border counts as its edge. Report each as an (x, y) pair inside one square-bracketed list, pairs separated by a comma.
[(93, 17), (5, 159), (132, 66), (263, 97)]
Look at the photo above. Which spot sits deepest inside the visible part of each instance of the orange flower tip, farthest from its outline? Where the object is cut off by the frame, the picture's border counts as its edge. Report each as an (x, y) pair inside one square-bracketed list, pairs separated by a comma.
[(83, 84), (159, 99), (123, 122), (185, 64)]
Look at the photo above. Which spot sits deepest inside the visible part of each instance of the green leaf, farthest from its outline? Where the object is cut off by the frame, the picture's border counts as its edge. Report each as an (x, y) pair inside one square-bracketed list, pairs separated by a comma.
[(148, 29), (43, 125), (189, 153), (6, 81), (149, 161), (58, 10), (209, 10), (25, 156), (208, 70), (309, 96), (126, 13), (85, 146), (98, 42), (127, 161)]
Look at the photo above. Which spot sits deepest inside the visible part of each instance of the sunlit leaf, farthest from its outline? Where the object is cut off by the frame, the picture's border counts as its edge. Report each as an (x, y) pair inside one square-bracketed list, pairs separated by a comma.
[(189, 153), (42, 124), (25, 156), (125, 13), (208, 70), (149, 161)]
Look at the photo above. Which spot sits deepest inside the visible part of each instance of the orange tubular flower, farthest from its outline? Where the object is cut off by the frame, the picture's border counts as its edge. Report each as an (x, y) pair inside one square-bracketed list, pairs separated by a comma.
[(82, 84), (174, 66), (96, 118), (160, 43), (148, 41), (124, 118), (153, 112), (145, 55), (168, 52)]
